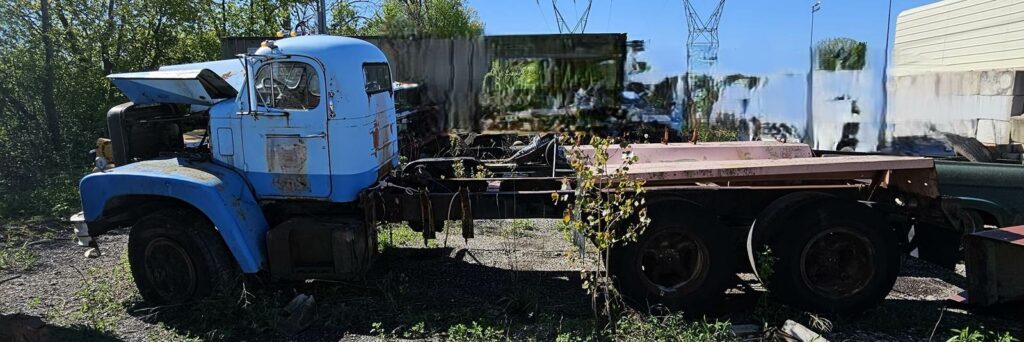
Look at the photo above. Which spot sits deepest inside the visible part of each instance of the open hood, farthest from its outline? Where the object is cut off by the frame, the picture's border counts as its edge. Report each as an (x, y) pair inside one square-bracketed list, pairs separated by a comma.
[(195, 86)]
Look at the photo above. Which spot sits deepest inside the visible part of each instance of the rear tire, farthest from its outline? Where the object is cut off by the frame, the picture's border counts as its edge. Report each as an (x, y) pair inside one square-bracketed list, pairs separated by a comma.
[(176, 256), (684, 261), (832, 255)]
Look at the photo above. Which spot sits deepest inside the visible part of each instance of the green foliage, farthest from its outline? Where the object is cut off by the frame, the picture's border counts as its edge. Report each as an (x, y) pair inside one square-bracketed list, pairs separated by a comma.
[(54, 93), (766, 265), (708, 133), (607, 209), (518, 84), (102, 298), (424, 18), (15, 254), (640, 327), (17, 258), (475, 333), (841, 54), (979, 335), (398, 235)]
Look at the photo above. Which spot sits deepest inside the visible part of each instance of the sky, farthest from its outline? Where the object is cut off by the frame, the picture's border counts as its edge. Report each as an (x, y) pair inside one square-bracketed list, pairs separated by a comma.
[(759, 37)]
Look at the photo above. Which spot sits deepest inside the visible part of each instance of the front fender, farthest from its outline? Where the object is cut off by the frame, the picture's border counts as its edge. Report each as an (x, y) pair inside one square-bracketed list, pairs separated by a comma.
[(217, 191)]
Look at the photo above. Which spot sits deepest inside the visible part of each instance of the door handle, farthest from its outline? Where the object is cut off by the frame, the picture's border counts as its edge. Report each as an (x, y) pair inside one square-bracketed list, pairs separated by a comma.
[(320, 135)]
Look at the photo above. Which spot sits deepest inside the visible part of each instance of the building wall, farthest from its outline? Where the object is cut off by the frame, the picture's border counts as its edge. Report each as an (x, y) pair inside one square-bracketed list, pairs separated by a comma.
[(957, 68), (959, 35)]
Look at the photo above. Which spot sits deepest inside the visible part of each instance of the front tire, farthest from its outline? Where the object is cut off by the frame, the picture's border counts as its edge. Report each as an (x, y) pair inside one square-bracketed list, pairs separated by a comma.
[(176, 256)]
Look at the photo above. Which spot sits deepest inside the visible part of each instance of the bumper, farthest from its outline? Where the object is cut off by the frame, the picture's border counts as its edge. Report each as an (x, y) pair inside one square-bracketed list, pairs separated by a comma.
[(82, 236)]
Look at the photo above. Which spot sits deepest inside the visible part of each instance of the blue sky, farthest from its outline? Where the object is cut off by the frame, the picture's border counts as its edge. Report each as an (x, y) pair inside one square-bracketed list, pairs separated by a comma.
[(757, 36)]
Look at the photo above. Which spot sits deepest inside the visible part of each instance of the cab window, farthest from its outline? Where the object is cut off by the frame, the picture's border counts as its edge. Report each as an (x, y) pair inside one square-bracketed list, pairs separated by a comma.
[(377, 76), (288, 85)]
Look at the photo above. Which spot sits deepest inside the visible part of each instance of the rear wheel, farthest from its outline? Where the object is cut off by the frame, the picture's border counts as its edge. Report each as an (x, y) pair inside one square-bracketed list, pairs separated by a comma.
[(683, 261), (176, 256), (831, 255)]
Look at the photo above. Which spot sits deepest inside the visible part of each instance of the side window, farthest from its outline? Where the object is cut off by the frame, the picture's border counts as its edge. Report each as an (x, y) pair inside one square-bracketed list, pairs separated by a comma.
[(378, 77), (287, 85)]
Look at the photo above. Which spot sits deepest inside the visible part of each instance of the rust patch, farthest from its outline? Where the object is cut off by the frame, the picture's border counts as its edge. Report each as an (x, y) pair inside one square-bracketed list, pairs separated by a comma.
[(286, 160), (175, 169)]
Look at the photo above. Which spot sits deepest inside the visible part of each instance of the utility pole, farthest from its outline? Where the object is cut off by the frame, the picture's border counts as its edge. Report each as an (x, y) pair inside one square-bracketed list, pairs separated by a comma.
[(321, 17), (885, 82), (701, 56), (809, 129)]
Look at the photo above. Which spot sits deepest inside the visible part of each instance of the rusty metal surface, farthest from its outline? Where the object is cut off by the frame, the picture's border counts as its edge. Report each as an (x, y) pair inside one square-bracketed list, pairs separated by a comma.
[(851, 167), (286, 160), (993, 266), (683, 152)]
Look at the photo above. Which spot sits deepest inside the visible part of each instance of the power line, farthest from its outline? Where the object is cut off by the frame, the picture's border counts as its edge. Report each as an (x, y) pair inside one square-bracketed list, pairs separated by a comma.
[(701, 56), (702, 40), (581, 22)]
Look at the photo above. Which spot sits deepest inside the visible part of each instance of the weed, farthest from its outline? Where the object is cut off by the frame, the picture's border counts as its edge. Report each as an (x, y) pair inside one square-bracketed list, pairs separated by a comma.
[(18, 258), (377, 328), (475, 332), (608, 210), (979, 335), (399, 235), (673, 327), (15, 239), (102, 298), (418, 330), (766, 266)]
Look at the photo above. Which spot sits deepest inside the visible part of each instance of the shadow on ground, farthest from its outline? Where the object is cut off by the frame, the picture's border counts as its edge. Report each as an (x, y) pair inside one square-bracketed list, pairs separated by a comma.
[(417, 293)]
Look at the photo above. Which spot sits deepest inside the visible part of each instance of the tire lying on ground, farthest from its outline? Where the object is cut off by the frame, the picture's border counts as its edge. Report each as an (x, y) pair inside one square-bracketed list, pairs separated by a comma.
[(683, 261), (826, 255), (177, 256)]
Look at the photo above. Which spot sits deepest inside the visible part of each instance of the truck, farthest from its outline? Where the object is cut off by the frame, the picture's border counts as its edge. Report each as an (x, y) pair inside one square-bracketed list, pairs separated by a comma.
[(296, 164)]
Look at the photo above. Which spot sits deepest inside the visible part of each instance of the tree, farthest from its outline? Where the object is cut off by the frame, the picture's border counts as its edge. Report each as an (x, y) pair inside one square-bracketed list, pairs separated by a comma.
[(841, 54), (425, 18), (346, 18)]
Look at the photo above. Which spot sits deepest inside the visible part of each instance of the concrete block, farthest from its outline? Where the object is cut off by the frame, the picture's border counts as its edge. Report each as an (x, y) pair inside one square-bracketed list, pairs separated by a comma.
[(971, 84), (997, 82), (993, 131), (1017, 129)]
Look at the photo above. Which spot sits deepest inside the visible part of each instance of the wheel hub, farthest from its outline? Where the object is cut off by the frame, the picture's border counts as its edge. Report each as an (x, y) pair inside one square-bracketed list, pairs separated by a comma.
[(169, 269), (837, 263), (673, 261)]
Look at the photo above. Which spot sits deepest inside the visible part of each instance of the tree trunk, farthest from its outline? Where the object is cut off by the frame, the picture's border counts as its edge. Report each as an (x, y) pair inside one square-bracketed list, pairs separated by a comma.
[(50, 116)]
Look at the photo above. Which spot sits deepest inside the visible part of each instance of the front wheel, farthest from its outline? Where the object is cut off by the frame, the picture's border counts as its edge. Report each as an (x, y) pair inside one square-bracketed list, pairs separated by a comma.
[(176, 256)]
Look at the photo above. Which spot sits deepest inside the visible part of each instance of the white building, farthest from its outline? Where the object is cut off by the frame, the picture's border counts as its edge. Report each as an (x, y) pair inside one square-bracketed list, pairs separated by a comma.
[(958, 66)]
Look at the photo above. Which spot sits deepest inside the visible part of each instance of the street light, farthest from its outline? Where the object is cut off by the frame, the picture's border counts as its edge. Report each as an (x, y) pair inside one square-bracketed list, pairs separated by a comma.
[(809, 129)]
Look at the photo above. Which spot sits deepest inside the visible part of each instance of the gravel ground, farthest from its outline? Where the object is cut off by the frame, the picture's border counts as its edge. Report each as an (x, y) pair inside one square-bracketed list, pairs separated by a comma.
[(520, 284)]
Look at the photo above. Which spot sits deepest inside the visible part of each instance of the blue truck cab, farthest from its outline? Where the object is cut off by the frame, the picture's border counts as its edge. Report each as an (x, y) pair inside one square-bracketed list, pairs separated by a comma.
[(290, 136)]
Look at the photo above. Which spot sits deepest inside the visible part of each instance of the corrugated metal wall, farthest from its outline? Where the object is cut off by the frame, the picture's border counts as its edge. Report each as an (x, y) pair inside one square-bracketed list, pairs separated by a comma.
[(959, 35), (452, 70)]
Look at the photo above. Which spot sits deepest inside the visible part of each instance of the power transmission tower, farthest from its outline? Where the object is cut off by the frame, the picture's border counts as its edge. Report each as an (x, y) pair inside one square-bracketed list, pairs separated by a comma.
[(581, 23), (701, 56)]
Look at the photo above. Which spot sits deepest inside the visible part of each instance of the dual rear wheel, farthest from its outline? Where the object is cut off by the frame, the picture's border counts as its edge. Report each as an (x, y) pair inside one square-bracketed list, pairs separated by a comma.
[(825, 254)]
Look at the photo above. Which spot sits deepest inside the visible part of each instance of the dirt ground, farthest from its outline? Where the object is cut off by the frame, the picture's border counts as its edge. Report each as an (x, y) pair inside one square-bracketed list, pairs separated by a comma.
[(517, 285)]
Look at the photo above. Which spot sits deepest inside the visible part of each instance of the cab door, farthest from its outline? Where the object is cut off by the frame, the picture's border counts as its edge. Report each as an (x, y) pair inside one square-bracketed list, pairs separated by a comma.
[(285, 129)]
